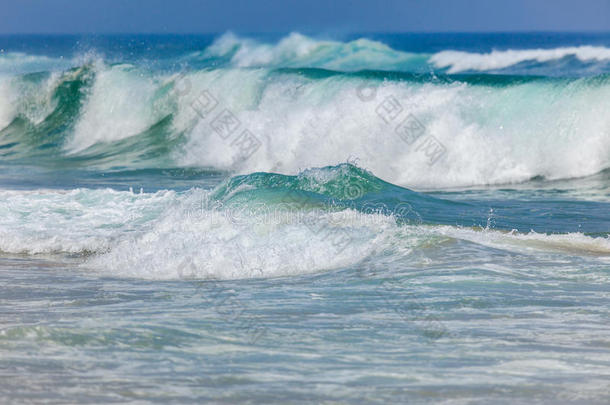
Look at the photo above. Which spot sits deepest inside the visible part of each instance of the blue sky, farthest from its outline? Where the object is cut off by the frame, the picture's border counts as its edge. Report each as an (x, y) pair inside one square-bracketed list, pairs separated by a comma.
[(201, 16)]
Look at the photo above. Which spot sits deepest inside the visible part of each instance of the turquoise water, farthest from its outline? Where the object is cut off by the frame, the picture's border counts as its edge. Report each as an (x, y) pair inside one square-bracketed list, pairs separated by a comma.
[(295, 219)]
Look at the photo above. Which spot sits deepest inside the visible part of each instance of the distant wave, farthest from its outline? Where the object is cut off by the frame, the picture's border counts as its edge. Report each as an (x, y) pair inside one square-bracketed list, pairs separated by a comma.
[(296, 50), (456, 61)]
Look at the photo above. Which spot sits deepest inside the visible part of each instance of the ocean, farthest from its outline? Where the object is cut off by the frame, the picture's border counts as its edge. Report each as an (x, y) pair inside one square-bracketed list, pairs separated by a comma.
[(291, 218)]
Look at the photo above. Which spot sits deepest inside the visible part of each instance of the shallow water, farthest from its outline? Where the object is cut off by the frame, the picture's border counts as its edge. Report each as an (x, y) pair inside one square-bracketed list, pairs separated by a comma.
[(498, 329)]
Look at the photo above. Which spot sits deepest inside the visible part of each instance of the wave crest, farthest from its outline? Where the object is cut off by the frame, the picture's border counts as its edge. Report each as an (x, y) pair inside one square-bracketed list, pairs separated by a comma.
[(297, 50), (456, 61)]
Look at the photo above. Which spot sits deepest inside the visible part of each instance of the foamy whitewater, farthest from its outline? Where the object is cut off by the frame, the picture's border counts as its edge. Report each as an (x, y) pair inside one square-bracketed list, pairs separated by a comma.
[(402, 218)]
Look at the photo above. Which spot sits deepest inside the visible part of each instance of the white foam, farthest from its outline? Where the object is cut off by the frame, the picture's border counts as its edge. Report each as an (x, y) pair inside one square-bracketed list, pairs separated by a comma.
[(234, 90), (569, 243), (225, 244), (7, 108), (458, 61), (28, 99), (76, 221), (166, 235), (170, 236), (120, 104), (491, 135)]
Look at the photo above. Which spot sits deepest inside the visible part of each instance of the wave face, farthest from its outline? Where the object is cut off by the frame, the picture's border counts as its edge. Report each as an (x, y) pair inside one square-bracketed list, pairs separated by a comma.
[(302, 102)]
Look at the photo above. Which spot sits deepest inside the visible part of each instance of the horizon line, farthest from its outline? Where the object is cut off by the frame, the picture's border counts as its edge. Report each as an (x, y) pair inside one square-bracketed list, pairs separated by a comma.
[(319, 32)]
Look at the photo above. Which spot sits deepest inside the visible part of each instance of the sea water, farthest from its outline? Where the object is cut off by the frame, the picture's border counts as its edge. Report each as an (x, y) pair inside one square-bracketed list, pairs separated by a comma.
[(397, 218)]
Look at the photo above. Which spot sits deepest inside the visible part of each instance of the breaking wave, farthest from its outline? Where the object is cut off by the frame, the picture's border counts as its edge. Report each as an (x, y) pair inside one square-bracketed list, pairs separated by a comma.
[(258, 225), (304, 103)]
